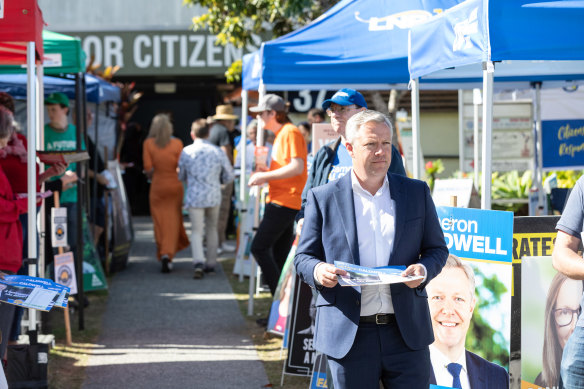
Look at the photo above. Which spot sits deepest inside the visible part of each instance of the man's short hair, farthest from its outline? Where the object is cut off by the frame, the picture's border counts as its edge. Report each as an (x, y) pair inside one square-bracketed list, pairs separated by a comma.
[(454, 262), (7, 101), (359, 119), (200, 128), (317, 112)]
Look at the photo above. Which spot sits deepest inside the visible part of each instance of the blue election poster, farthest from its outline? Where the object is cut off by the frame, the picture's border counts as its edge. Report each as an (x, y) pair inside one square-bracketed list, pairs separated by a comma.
[(478, 234)]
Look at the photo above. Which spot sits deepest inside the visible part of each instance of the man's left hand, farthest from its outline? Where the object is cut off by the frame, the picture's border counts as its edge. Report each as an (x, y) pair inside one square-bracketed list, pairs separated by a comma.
[(257, 179), (414, 270)]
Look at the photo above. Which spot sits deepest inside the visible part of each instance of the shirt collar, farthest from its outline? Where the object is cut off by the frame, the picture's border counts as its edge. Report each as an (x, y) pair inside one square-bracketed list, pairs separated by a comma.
[(439, 358), (357, 188)]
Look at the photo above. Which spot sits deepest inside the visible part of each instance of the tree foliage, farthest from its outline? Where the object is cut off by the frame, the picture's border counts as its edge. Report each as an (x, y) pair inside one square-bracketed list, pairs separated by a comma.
[(241, 22)]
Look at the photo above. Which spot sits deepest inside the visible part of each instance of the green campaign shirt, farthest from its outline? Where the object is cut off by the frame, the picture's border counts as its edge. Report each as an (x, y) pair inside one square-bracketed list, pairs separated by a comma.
[(63, 141)]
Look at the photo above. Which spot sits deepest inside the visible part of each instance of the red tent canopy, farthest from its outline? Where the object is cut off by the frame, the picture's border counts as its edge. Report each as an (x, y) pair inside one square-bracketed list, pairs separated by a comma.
[(22, 23)]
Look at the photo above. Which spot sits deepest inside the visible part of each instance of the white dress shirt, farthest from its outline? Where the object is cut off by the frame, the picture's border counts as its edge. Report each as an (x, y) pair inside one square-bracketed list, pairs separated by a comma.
[(375, 221), (443, 376)]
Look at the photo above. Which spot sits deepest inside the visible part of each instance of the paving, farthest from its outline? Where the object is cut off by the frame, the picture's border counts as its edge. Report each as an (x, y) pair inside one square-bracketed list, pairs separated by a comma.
[(170, 330)]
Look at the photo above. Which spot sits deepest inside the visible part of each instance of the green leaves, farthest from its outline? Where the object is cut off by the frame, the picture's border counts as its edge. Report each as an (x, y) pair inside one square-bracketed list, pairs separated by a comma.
[(236, 22)]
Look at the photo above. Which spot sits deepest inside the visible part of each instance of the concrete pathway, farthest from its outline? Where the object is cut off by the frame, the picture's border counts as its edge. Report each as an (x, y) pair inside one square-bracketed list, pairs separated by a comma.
[(169, 330)]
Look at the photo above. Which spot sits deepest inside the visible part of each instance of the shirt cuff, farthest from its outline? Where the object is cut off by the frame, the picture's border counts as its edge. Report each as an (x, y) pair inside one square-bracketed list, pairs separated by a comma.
[(314, 274), (425, 273)]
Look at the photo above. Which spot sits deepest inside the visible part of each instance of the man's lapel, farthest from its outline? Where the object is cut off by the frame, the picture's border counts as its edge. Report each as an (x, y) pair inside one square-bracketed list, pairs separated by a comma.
[(396, 191), (476, 374), (344, 199)]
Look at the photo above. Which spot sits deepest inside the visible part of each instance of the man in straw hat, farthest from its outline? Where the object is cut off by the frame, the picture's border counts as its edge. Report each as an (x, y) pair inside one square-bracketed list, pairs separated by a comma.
[(221, 129)]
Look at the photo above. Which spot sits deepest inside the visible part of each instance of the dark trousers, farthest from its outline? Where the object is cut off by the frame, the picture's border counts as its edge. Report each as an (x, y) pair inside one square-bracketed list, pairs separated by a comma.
[(273, 241), (380, 354)]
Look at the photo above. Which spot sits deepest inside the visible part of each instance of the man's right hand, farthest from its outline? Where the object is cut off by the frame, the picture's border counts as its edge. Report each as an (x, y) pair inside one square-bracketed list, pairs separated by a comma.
[(326, 274)]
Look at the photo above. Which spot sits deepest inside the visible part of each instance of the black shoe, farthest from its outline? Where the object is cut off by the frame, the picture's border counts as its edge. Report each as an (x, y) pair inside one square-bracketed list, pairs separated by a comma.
[(199, 271), (209, 269), (166, 266), (262, 322)]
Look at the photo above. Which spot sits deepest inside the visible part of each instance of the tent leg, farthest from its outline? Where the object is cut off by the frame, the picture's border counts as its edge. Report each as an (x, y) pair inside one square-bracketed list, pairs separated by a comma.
[(538, 177), (31, 166), (488, 75), (416, 127), (476, 101)]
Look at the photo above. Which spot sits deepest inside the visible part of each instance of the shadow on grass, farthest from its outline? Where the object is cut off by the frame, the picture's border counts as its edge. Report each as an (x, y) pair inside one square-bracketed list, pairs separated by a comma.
[(268, 346)]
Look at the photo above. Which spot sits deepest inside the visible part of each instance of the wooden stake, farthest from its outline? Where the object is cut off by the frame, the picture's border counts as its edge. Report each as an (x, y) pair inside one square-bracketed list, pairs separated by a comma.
[(453, 201), (68, 337)]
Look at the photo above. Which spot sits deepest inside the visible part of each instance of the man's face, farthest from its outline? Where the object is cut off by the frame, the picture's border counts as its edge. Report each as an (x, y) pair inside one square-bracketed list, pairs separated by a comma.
[(56, 113), (451, 306), (371, 150), (229, 124), (339, 115), (266, 118), (314, 118)]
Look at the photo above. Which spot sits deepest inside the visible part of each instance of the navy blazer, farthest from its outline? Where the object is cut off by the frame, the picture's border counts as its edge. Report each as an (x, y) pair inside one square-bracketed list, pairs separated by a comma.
[(329, 233), (482, 374)]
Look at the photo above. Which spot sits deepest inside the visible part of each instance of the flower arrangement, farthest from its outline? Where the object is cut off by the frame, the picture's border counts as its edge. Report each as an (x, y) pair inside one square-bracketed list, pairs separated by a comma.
[(433, 168)]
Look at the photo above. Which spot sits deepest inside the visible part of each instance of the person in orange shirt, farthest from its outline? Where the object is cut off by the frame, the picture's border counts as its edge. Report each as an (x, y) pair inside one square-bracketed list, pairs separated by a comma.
[(286, 178)]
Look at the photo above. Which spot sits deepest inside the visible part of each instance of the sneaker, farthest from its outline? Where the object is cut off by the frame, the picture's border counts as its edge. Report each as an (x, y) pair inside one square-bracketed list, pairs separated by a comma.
[(209, 269), (166, 264), (228, 247), (199, 271)]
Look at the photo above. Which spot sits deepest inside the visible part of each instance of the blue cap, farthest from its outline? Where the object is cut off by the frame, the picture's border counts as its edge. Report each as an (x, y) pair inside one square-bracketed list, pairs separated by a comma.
[(345, 96)]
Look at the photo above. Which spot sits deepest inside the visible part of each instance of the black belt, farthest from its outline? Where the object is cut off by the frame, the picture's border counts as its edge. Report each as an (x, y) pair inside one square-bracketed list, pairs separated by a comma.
[(380, 318)]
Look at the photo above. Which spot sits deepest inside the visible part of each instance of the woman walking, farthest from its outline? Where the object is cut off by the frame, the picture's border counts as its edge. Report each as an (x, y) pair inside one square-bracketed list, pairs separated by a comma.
[(161, 155)]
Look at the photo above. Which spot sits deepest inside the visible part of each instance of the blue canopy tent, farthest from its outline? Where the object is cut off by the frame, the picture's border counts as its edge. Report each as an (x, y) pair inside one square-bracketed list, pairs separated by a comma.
[(357, 43), (519, 40), (97, 91)]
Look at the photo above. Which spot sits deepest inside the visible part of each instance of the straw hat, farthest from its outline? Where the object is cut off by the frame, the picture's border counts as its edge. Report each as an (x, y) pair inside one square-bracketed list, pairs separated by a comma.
[(224, 112)]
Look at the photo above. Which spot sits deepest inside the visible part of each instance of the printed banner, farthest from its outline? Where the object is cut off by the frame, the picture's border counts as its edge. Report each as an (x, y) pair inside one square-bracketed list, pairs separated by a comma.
[(563, 144), (301, 353), (533, 244), (59, 227), (318, 379), (550, 312), (65, 271), (281, 305), (477, 234), (470, 300)]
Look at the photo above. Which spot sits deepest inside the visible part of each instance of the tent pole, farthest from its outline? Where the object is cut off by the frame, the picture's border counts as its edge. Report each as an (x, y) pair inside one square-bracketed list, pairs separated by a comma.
[(461, 154), (539, 152), (416, 127), (488, 73), (79, 122), (243, 172), (31, 165), (243, 150), (40, 145), (476, 101), (256, 222)]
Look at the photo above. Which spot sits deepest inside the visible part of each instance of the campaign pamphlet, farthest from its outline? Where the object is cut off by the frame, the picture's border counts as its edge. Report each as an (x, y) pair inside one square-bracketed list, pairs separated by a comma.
[(51, 157), (361, 275), (261, 158), (33, 292), (39, 195)]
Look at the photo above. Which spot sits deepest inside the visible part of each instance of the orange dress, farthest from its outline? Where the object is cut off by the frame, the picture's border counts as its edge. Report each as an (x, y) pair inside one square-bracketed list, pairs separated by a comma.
[(166, 196)]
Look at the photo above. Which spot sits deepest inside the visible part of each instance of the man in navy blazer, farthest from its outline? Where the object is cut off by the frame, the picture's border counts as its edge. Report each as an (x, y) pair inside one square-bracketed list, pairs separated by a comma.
[(372, 218), (452, 300)]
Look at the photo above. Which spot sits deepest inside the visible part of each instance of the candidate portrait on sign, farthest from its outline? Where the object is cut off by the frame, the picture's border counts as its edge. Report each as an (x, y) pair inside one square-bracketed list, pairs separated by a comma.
[(460, 357)]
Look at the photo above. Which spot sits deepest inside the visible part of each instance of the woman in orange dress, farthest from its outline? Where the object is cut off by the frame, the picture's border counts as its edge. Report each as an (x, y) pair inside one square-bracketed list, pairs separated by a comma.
[(161, 154)]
